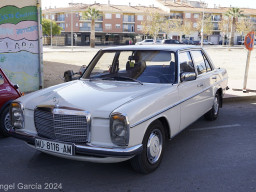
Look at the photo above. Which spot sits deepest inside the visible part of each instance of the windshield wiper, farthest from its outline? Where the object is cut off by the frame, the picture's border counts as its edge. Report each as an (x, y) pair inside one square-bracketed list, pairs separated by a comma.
[(122, 78)]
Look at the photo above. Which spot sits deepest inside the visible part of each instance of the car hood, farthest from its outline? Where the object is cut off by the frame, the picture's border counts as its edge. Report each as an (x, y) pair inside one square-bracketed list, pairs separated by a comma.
[(98, 97)]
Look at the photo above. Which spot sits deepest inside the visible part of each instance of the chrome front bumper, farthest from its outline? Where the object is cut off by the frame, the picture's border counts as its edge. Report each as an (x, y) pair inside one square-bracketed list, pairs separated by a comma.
[(87, 150)]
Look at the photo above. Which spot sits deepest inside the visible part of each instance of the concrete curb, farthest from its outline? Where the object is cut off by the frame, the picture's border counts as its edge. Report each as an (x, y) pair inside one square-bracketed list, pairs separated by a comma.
[(242, 98)]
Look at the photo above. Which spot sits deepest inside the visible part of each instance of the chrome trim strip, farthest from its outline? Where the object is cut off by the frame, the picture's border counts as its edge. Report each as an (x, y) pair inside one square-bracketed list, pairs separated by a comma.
[(85, 149), (109, 151), (174, 105)]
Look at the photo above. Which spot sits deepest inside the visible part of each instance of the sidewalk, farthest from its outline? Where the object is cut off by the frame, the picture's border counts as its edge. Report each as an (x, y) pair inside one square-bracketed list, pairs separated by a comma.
[(235, 92)]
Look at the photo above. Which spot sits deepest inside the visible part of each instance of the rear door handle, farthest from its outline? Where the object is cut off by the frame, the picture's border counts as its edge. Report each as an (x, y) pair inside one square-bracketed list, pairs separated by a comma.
[(200, 85), (214, 77)]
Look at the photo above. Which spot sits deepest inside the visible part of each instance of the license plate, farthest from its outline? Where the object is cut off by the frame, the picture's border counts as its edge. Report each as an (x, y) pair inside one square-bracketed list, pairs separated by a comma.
[(56, 147)]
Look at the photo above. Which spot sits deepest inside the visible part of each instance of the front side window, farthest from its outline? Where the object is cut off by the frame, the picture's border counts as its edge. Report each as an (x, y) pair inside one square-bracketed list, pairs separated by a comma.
[(143, 66), (199, 62), (186, 64)]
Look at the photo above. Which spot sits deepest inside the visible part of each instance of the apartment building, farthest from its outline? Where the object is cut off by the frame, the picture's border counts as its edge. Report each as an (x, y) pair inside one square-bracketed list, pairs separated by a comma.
[(122, 24), (118, 24)]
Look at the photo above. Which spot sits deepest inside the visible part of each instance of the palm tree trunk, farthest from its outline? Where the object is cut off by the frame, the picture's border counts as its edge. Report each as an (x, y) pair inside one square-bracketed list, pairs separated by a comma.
[(233, 31), (92, 36)]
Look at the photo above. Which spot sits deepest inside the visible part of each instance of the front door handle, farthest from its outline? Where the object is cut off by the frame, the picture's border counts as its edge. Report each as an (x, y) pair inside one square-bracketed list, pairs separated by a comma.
[(214, 77), (200, 85)]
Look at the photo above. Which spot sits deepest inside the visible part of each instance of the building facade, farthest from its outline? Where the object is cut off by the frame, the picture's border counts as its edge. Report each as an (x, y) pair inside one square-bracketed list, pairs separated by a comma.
[(121, 24)]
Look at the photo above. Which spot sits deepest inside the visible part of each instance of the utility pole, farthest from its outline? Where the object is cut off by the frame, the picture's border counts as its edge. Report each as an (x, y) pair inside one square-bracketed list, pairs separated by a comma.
[(202, 28), (51, 28), (71, 25)]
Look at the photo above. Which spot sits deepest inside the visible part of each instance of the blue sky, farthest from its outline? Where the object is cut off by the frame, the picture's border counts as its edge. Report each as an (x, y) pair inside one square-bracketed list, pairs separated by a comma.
[(226, 3)]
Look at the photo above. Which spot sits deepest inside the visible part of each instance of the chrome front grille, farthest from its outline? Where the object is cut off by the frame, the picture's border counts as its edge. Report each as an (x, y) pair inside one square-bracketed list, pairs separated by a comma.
[(56, 125)]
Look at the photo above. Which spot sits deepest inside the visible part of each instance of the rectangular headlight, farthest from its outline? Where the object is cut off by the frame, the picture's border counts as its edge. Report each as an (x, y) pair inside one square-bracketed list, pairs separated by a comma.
[(17, 118), (119, 129)]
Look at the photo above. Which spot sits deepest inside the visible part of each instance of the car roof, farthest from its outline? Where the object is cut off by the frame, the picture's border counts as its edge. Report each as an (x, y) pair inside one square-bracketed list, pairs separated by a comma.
[(173, 48)]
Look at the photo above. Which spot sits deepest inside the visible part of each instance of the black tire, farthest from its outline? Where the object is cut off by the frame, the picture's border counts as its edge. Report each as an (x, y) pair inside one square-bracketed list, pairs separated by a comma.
[(145, 162), (214, 112), (5, 123)]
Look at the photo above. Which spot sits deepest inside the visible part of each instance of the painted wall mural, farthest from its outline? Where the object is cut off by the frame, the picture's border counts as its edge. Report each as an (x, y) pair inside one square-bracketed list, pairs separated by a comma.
[(19, 43)]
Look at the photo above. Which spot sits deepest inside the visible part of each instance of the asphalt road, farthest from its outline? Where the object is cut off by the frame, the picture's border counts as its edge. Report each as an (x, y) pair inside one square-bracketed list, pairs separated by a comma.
[(208, 156)]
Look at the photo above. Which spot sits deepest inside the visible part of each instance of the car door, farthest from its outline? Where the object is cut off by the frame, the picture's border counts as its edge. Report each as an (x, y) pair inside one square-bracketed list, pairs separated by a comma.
[(205, 78), (189, 92)]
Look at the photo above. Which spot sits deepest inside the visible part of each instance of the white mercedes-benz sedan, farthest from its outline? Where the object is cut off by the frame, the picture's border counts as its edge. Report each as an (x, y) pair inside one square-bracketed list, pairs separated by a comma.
[(129, 101)]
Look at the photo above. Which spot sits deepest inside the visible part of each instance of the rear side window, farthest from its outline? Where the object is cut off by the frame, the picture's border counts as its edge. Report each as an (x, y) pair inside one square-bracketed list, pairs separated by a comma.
[(199, 62), (186, 64), (1, 79)]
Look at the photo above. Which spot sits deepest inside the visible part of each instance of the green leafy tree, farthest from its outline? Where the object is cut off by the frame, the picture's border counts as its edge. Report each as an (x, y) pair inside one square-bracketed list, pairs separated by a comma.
[(224, 26), (46, 25), (91, 14), (153, 24), (234, 14), (244, 26), (207, 24)]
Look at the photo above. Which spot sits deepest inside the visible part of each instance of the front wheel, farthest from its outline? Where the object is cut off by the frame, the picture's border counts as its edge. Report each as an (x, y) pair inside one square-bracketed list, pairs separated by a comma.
[(153, 147), (214, 112), (5, 122)]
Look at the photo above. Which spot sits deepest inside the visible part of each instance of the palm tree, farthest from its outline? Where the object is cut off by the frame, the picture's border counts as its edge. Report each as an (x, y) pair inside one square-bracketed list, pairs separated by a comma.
[(234, 14), (92, 14)]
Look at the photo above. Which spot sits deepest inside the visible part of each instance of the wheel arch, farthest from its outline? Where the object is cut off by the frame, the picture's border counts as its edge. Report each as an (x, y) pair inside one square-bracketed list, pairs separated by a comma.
[(5, 105), (220, 92), (166, 126)]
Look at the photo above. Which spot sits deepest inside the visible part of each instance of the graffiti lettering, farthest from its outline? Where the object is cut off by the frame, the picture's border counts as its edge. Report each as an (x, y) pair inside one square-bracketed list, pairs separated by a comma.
[(12, 46), (26, 30), (6, 17), (19, 15)]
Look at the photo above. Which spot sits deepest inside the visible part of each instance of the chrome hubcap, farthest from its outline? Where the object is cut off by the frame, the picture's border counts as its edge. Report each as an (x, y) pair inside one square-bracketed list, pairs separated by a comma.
[(7, 122), (216, 105), (154, 146)]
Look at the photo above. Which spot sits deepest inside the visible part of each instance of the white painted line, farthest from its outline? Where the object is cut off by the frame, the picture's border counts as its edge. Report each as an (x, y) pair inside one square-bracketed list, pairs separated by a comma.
[(216, 127)]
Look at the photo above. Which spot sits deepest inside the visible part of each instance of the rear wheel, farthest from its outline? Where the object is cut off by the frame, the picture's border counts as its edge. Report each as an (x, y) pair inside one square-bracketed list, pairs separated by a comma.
[(214, 112), (5, 122), (153, 147)]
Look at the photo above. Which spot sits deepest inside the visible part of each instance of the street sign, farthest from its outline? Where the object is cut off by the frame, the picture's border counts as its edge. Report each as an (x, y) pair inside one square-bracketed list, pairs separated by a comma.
[(249, 40), (249, 43)]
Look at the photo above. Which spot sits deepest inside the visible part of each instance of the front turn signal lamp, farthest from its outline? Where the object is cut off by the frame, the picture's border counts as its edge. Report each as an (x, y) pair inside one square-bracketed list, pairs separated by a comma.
[(16, 113)]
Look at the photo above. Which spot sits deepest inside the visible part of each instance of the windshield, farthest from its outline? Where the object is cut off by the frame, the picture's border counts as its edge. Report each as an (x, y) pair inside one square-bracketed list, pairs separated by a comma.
[(140, 66)]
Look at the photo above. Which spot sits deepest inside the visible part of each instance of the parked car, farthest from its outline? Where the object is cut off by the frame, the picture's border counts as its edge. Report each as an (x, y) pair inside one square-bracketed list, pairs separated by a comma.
[(8, 93), (146, 42), (196, 43), (128, 103), (206, 42), (187, 41), (170, 41)]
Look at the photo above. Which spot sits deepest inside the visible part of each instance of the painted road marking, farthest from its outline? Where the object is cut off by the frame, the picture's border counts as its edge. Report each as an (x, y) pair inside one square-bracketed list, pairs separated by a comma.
[(216, 127)]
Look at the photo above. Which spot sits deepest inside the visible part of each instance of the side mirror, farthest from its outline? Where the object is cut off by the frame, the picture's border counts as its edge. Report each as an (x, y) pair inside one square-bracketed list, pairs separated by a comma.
[(16, 86), (68, 75), (187, 76)]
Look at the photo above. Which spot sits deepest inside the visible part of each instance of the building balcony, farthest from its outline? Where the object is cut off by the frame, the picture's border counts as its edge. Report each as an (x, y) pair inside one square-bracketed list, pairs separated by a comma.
[(216, 28), (128, 21), (100, 19), (89, 29), (128, 31)]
